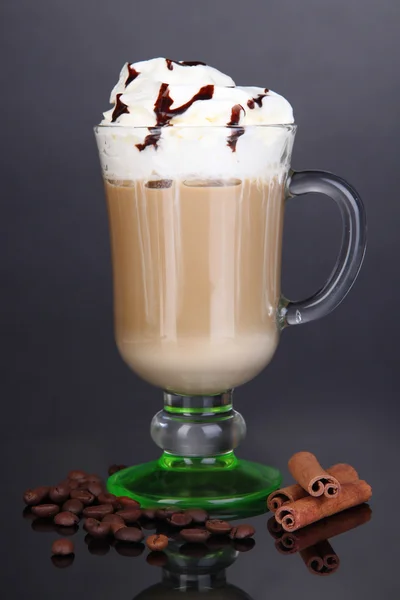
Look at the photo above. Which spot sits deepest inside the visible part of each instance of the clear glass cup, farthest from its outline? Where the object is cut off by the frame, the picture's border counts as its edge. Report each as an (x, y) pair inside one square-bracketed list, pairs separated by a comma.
[(196, 220)]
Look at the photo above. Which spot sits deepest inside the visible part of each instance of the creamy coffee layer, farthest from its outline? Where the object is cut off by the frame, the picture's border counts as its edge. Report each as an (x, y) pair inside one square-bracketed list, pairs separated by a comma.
[(196, 267)]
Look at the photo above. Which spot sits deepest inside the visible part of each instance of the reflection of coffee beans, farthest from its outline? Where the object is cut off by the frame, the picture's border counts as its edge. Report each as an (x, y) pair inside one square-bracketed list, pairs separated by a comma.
[(82, 495), (218, 542), (43, 525), (130, 515), (36, 496), (242, 531), (66, 519), (218, 527), (99, 547), (59, 493), (180, 519), (157, 542), (99, 511), (74, 506), (45, 510), (126, 549), (244, 545), (195, 535), (157, 559), (62, 547), (64, 531), (129, 534), (195, 550), (97, 529), (61, 562), (198, 515)]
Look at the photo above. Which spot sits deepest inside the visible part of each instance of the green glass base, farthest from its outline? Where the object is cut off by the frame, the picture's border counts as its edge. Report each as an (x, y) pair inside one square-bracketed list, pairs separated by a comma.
[(224, 485)]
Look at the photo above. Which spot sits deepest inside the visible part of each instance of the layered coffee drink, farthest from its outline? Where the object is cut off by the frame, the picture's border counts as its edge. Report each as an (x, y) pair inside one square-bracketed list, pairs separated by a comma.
[(195, 199)]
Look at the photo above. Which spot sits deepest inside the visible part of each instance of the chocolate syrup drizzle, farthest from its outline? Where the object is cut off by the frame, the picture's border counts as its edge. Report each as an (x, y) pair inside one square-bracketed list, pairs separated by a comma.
[(238, 131), (120, 109), (183, 63), (132, 74), (150, 140), (257, 100), (162, 107)]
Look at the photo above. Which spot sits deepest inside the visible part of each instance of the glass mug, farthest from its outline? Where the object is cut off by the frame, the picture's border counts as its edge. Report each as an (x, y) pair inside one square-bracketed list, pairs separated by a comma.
[(196, 221)]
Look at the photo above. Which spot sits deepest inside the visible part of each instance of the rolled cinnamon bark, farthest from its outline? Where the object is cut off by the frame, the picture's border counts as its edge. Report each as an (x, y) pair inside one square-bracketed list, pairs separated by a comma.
[(275, 528), (321, 559), (289, 543), (307, 471), (308, 510), (342, 472)]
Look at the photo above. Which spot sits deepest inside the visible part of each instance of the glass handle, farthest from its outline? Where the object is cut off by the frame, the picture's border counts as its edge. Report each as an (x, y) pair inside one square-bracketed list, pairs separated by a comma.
[(352, 249)]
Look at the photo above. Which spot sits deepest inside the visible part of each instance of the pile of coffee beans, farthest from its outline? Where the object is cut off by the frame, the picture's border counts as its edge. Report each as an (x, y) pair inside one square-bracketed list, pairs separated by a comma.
[(121, 522)]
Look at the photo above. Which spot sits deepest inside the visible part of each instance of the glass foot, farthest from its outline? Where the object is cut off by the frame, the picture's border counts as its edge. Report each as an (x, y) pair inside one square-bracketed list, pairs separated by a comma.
[(223, 485)]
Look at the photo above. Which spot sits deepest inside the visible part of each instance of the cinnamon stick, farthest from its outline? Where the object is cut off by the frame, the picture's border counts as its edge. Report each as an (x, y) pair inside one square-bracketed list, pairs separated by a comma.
[(343, 473), (275, 528), (289, 543), (308, 510), (321, 559), (306, 470)]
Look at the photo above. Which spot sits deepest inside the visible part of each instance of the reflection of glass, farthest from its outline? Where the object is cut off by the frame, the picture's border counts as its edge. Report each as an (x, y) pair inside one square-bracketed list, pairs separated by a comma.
[(197, 300), (199, 577), (312, 542)]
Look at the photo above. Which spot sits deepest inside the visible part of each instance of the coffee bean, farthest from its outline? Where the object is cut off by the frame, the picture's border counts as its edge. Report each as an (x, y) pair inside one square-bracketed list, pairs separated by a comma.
[(59, 493), (115, 468), (45, 510), (97, 529), (244, 545), (166, 513), (193, 550), (82, 495), (131, 550), (129, 534), (218, 526), (62, 546), (43, 525), (218, 542), (73, 484), (180, 519), (93, 478), (149, 513), (116, 527), (77, 475), (110, 518), (242, 531), (36, 495), (61, 562), (198, 515), (99, 511), (74, 506), (157, 542), (105, 498), (127, 502), (130, 515), (157, 559), (66, 519), (95, 488), (195, 535), (99, 547), (66, 531)]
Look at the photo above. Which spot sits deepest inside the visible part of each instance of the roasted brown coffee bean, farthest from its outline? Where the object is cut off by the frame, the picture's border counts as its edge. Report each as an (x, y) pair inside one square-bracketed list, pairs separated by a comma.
[(218, 526), (110, 518), (157, 559), (149, 513), (83, 495), (45, 510), (59, 493), (74, 506), (242, 531), (218, 542), (129, 534), (180, 519), (66, 519), (166, 513), (61, 562), (130, 515), (127, 502), (115, 468), (244, 545), (62, 546), (195, 535), (99, 547), (36, 495), (105, 498), (93, 478), (73, 484), (194, 550), (97, 529), (198, 515), (95, 488), (157, 542), (131, 550), (43, 525), (66, 531), (77, 475), (116, 527), (99, 511)]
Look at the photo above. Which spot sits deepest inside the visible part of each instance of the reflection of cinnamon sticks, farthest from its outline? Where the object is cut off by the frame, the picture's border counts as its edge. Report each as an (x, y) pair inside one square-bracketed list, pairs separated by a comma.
[(275, 528), (307, 471), (289, 543), (321, 559), (342, 472), (308, 510)]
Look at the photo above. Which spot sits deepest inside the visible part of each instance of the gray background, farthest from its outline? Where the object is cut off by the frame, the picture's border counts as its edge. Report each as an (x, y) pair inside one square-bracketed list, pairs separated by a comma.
[(68, 399)]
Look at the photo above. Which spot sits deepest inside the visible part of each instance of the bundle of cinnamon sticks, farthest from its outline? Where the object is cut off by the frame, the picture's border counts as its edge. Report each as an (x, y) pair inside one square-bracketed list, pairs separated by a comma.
[(317, 493)]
